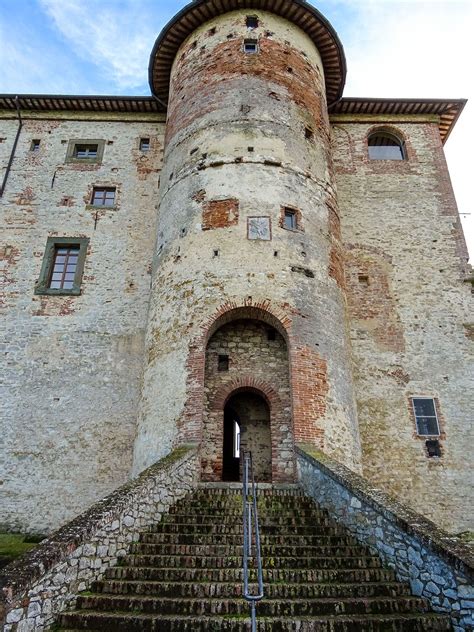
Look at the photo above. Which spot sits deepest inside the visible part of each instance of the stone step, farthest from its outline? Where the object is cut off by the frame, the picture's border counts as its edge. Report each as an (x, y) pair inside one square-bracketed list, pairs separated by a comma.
[(233, 589), (236, 606), (287, 575), (205, 561), (276, 519), (272, 539), (126, 622), (237, 528), (278, 551)]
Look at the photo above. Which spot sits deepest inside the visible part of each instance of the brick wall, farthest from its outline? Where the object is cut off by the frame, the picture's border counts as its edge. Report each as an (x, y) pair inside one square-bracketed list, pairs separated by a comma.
[(72, 364), (409, 307)]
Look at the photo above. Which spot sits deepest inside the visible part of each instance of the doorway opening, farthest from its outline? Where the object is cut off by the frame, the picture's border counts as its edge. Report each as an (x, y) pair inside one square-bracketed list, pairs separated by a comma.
[(247, 428)]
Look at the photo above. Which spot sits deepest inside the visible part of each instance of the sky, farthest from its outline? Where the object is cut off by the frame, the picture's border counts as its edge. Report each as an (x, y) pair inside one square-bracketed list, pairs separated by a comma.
[(394, 48)]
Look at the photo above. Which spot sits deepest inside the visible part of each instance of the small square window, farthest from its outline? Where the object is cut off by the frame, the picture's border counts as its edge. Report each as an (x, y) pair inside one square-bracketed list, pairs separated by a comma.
[(251, 22), (85, 151), (363, 280), (144, 144), (223, 363), (426, 416), (433, 448), (63, 265), (290, 219), (35, 145), (103, 196), (250, 46)]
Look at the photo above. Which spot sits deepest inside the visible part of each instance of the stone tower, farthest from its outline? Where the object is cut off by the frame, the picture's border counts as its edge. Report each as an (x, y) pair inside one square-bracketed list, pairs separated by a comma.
[(248, 307)]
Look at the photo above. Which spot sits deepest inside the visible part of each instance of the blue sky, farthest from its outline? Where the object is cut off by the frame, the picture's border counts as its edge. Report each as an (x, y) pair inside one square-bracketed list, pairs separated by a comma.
[(394, 48)]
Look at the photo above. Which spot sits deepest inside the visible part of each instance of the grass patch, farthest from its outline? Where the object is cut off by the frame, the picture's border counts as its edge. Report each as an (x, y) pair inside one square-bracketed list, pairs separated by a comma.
[(13, 545)]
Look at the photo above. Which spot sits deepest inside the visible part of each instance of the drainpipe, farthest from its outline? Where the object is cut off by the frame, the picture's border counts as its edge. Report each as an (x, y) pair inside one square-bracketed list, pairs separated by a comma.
[(12, 153)]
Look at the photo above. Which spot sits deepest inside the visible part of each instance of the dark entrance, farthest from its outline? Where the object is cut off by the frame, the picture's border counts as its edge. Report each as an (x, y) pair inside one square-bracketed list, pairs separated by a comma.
[(247, 427), (231, 448)]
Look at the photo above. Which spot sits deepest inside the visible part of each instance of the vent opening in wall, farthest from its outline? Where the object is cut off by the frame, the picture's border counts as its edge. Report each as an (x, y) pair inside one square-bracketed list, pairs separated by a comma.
[(433, 448), (308, 133), (250, 46), (363, 280), (251, 22), (223, 363)]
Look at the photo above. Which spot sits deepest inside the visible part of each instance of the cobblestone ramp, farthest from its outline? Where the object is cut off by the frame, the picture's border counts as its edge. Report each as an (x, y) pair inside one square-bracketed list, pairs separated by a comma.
[(185, 574)]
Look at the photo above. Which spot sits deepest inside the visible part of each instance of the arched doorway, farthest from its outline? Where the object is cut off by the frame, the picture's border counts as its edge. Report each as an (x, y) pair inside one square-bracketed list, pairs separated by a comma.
[(247, 386), (247, 428)]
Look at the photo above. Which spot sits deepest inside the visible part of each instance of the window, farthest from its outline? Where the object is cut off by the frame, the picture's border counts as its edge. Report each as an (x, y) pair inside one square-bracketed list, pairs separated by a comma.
[(85, 151), (385, 146), (251, 22), (103, 196), (63, 265), (223, 363), (290, 219), (144, 144), (35, 145), (433, 448), (425, 416), (250, 46)]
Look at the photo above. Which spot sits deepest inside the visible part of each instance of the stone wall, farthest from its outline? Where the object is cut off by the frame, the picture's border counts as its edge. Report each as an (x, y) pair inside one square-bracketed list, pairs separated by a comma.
[(72, 364), (247, 136), (252, 358), (409, 307), (46, 581), (437, 566)]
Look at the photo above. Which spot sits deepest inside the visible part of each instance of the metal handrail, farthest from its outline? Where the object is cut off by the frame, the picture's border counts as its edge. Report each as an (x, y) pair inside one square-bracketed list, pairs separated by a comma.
[(251, 527)]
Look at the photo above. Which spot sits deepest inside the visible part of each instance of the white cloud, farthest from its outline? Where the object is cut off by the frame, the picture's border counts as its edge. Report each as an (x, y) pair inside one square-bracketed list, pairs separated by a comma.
[(117, 37)]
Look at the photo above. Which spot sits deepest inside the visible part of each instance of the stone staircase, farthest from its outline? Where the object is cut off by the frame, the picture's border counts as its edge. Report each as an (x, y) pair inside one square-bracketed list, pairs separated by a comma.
[(185, 574)]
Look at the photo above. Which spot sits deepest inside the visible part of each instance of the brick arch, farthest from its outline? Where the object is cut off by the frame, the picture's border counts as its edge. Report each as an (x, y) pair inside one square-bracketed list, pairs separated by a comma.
[(190, 423), (246, 384), (254, 311)]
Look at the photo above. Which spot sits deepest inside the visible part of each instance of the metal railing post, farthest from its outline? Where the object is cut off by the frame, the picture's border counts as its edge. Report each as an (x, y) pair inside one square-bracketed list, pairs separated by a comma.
[(251, 527)]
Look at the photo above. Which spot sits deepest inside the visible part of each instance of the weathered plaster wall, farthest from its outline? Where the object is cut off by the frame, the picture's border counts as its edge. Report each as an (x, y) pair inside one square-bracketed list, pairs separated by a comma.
[(72, 364), (252, 358), (410, 316), (246, 136)]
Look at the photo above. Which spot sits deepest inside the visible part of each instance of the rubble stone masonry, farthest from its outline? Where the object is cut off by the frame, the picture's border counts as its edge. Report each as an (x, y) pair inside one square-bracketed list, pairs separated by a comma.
[(409, 306), (71, 364)]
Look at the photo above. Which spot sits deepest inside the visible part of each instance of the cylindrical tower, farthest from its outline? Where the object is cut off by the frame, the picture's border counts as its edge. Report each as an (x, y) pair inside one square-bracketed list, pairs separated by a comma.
[(248, 232)]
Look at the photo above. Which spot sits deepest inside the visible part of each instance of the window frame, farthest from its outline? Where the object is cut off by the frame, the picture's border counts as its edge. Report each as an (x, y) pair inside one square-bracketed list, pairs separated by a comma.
[(290, 212), (35, 145), (71, 151), (52, 243), (436, 417), (391, 135), (105, 190), (252, 42), (144, 144)]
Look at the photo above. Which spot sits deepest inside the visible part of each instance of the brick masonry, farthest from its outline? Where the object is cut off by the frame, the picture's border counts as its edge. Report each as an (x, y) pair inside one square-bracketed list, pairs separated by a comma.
[(409, 307), (368, 294), (72, 364)]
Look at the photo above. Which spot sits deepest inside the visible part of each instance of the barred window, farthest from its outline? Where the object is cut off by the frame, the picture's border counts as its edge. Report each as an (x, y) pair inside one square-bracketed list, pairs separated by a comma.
[(426, 416)]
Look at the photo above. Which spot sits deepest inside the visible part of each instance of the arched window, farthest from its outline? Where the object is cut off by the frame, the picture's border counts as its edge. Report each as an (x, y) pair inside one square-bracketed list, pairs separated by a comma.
[(386, 146)]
